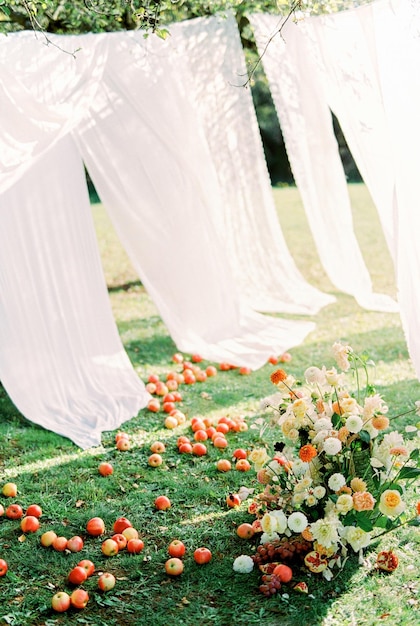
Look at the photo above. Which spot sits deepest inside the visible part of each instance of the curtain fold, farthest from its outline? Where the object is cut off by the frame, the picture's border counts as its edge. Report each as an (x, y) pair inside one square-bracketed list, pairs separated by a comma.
[(61, 358), (162, 193), (264, 270), (305, 118)]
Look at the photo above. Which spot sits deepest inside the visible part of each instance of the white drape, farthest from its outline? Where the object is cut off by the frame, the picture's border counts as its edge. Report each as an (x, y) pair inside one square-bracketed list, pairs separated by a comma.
[(61, 358), (162, 192), (127, 110), (306, 122), (264, 270)]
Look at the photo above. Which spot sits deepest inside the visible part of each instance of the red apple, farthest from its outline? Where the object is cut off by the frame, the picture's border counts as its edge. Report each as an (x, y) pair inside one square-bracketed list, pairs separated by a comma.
[(47, 538), (95, 526), (75, 544), (243, 465), (9, 490), (200, 435), (202, 555), (14, 511), (106, 581), (171, 422), (79, 598), (109, 547), (151, 388), (121, 435), (59, 544), (121, 540), (1, 510), (3, 567), (285, 357), (162, 503), (158, 447), (245, 531), (155, 460), (60, 601), (211, 371), (174, 566), (153, 378), (172, 385), (177, 357), (135, 545), (223, 465), (29, 524), (284, 572), (123, 444), (130, 533), (185, 448), (153, 405), (199, 449), (240, 453), (77, 575), (176, 548), (273, 359), (245, 371), (88, 566), (34, 509), (220, 442), (121, 524), (105, 469)]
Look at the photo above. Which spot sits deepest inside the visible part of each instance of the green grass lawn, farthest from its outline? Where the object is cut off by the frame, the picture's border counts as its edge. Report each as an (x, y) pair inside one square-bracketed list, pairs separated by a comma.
[(64, 481)]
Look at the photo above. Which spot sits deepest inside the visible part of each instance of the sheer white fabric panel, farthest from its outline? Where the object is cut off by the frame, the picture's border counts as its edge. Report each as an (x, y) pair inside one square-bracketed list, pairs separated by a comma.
[(265, 273), (368, 61), (306, 123), (61, 358), (144, 148)]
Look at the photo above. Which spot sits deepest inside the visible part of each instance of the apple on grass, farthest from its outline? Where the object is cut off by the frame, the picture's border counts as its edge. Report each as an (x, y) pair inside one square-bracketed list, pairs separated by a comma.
[(130, 533), (120, 524), (88, 566), (105, 468), (109, 547), (48, 538), (162, 503), (155, 460), (14, 511), (121, 540), (29, 524), (1, 510), (3, 567), (75, 544), (176, 548), (60, 601), (106, 581), (95, 526), (202, 555), (135, 545), (34, 509), (158, 447), (79, 598), (77, 575), (9, 490), (59, 544), (245, 531), (174, 566)]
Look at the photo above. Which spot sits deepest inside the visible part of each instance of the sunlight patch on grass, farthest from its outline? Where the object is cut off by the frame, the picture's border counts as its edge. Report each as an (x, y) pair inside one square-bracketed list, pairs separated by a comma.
[(43, 464), (204, 517)]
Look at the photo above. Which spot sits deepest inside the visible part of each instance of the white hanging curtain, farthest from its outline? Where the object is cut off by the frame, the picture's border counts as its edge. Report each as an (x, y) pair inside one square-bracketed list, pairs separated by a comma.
[(305, 118), (264, 270), (61, 358), (368, 62), (148, 157)]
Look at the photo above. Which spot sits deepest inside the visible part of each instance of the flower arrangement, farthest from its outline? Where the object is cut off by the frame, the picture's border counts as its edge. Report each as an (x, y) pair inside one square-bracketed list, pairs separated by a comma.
[(338, 477)]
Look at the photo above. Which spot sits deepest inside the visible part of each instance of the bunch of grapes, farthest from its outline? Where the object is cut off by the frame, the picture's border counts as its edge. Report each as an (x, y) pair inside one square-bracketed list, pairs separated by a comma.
[(286, 550), (270, 584)]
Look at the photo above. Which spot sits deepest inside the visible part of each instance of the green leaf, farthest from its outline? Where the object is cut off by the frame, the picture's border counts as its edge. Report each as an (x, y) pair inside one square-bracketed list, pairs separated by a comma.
[(415, 454), (364, 436), (381, 522), (414, 522), (363, 521), (408, 472)]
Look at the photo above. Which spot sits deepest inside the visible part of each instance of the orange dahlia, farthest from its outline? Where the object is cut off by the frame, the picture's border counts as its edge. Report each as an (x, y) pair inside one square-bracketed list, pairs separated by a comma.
[(307, 453), (278, 376)]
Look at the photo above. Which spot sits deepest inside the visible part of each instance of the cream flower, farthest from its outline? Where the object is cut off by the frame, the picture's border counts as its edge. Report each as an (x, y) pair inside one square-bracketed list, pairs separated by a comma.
[(344, 503), (258, 457), (336, 481), (269, 523), (281, 520), (374, 404), (319, 491), (323, 423), (391, 504), (243, 564), (266, 538), (311, 500), (356, 537), (332, 446), (314, 375), (299, 467), (297, 522), (354, 423), (325, 530), (332, 377), (341, 355)]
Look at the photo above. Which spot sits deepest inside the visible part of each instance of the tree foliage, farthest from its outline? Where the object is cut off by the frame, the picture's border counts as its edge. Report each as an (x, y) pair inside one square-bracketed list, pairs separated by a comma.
[(81, 16)]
